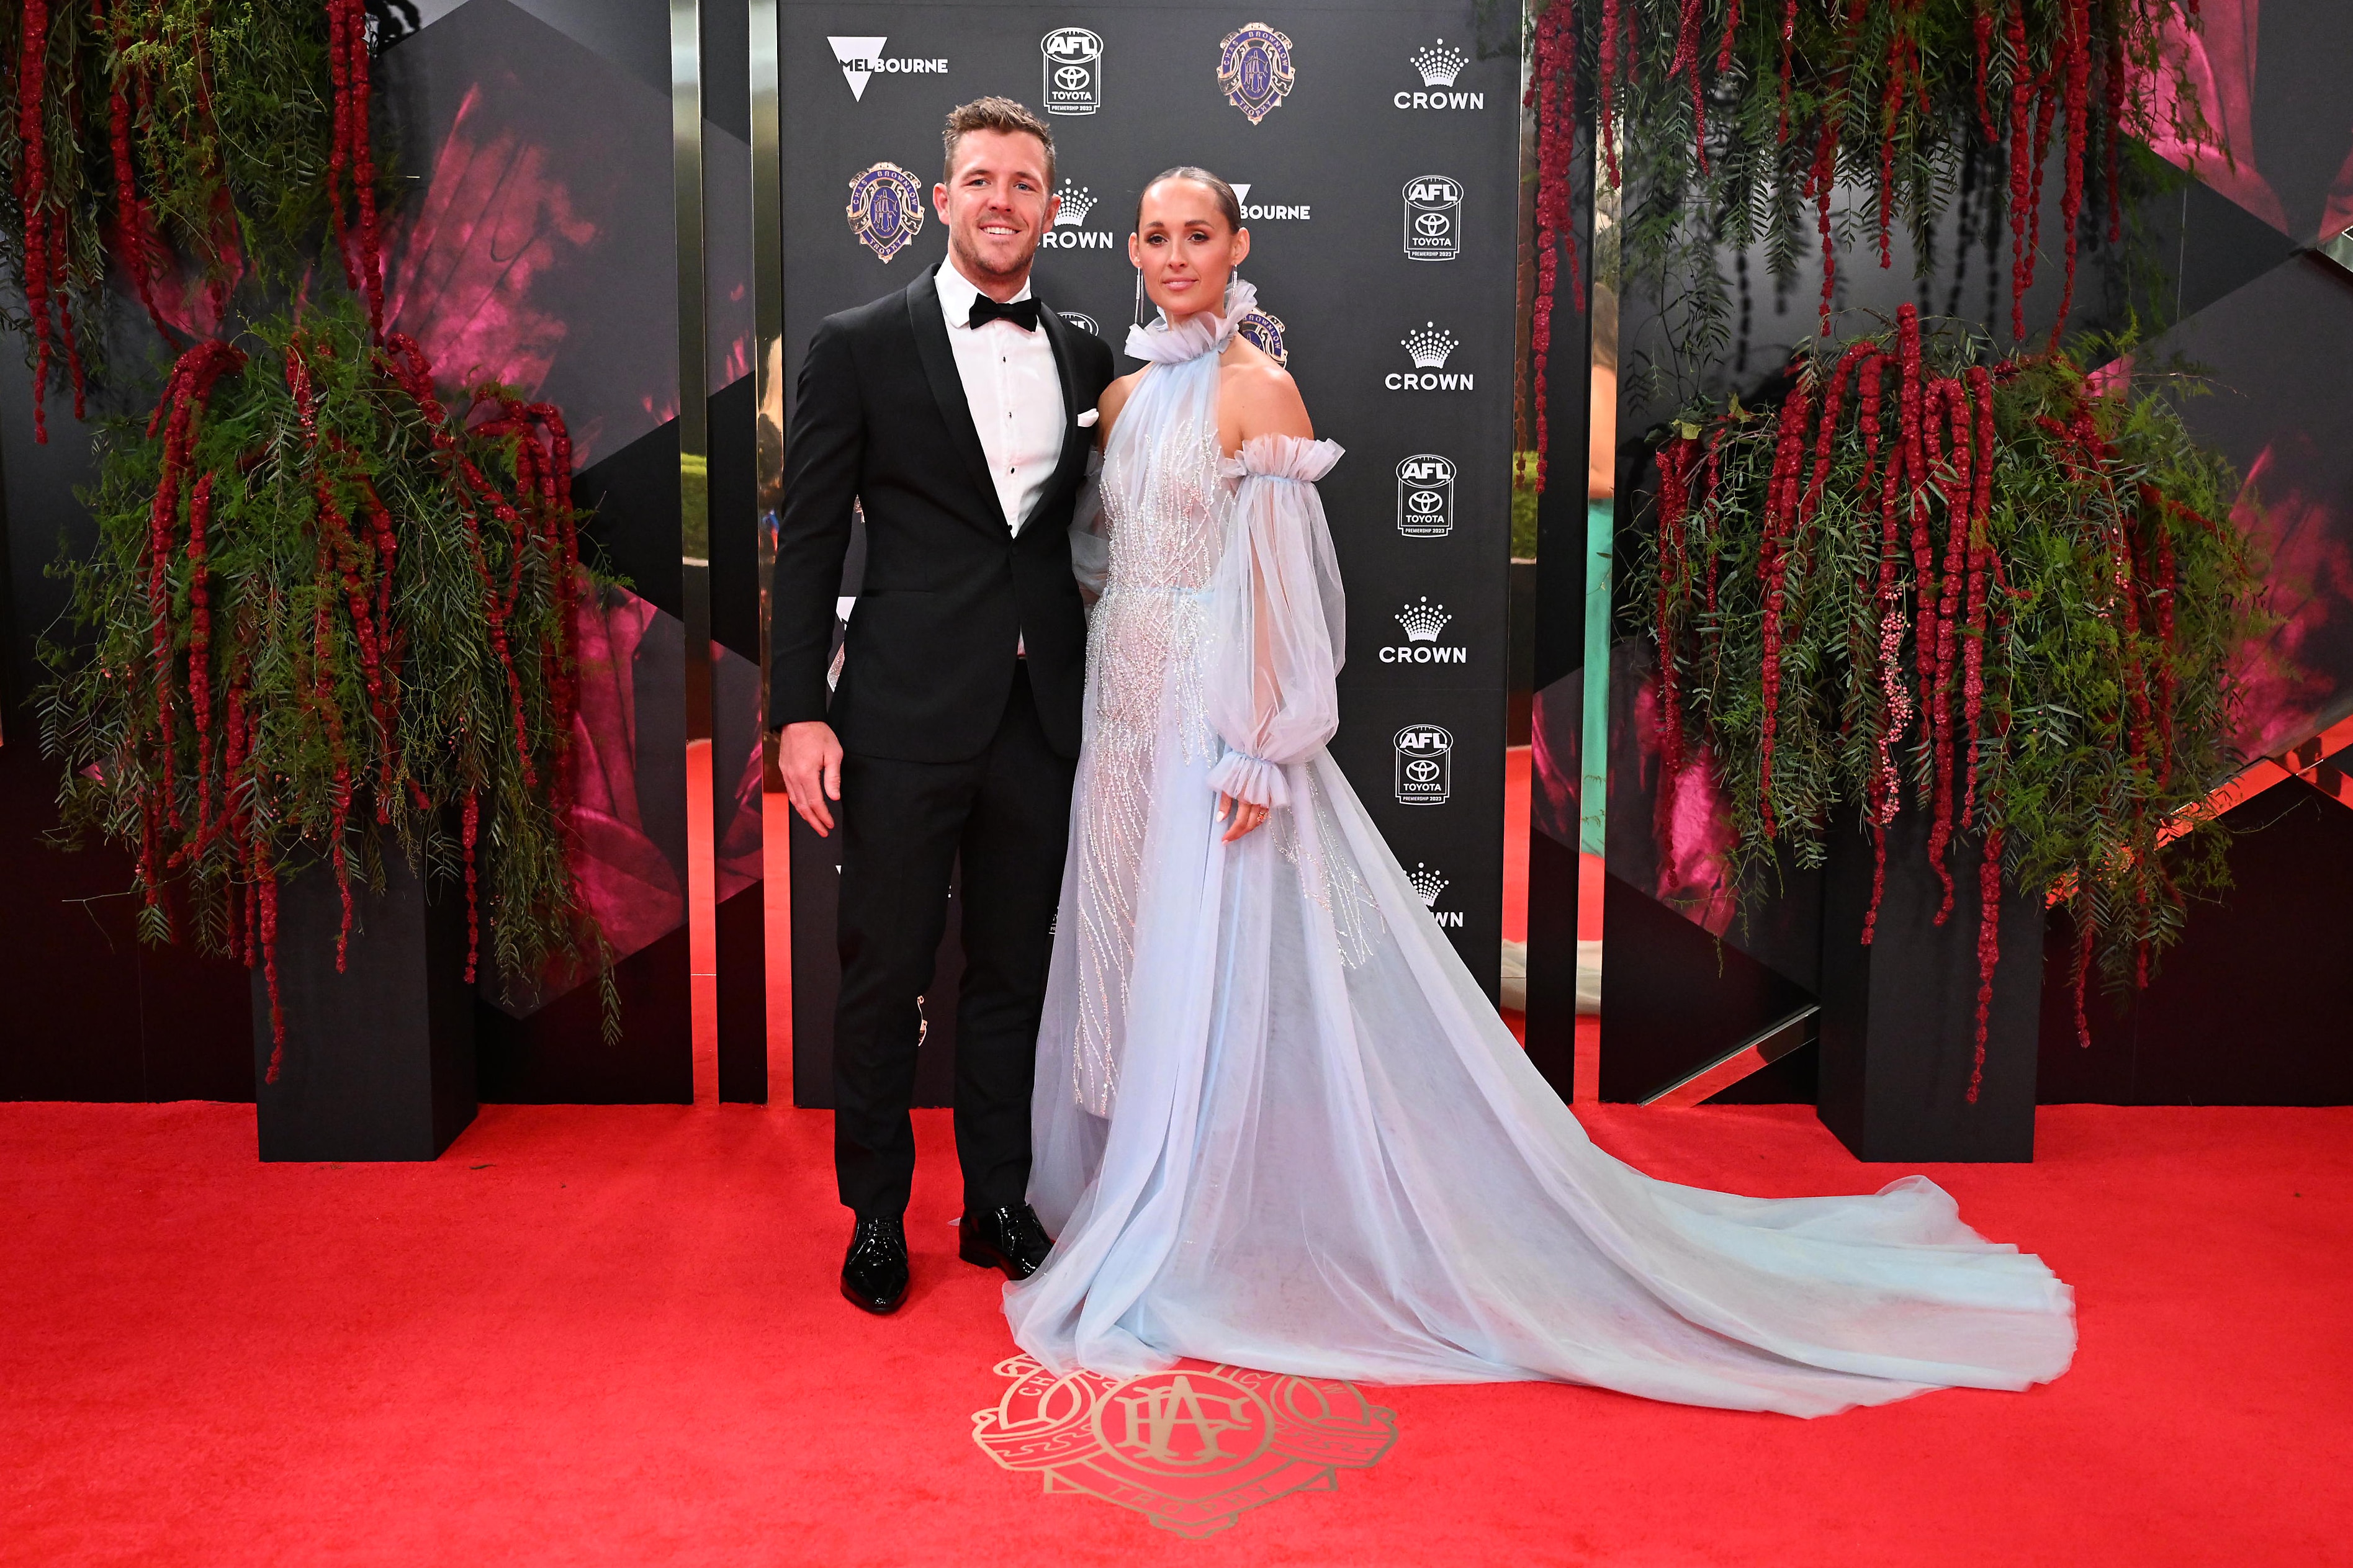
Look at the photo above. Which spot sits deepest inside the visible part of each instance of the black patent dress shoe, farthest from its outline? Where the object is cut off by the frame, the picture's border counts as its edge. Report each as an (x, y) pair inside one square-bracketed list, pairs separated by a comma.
[(874, 1274), (1006, 1238)]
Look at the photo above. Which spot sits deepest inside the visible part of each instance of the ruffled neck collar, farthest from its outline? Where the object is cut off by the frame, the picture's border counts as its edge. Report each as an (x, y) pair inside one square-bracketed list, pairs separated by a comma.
[(1206, 333)]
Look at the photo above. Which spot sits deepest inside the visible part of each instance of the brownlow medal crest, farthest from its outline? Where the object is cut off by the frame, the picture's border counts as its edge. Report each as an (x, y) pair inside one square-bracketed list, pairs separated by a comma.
[(1192, 1448)]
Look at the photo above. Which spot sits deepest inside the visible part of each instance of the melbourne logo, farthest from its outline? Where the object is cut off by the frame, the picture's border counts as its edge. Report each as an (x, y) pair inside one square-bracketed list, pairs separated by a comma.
[(1427, 886), (1070, 231), (1425, 506), (1424, 765), (1073, 70), (1438, 65), (1423, 623), (1263, 330), (1265, 212), (863, 58), (1191, 1448), (1254, 69), (886, 209), (1430, 346), (1081, 320), (1433, 218)]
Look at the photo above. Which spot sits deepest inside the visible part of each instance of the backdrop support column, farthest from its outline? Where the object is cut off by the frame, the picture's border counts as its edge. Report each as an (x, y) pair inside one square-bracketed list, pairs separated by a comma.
[(1558, 722)]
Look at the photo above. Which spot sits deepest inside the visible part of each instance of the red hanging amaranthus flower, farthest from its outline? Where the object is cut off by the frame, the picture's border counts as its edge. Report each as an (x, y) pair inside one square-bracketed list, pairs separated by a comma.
[(2022, 155), (1773, 565), (2076, 41), (473, 821), (200, 637), (1982, 560), (1953, 401), (1981, 27), (1553, 88), (1608, 74), (356, 239), (135, 242), (1689, 50), (45, 252), (1989, 950)]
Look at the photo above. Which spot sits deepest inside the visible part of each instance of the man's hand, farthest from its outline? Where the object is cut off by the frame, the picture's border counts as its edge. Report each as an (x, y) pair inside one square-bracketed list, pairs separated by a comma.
[(810, 759)]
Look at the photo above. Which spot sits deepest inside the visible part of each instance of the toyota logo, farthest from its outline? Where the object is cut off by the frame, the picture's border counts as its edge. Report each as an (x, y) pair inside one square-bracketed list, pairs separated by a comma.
[(1070, 78), (1432, 225), (1425, 501), (1422, 771)]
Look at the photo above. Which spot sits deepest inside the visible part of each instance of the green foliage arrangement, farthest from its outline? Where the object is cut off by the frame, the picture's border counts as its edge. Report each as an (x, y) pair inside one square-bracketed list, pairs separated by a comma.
[(1739, 122), (194, 142), (327, 618), (1982, 588), (325, 612)]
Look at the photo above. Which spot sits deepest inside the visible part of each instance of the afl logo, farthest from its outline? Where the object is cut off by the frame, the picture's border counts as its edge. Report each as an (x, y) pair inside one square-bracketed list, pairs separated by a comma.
[(886, 209), (1424, 765), (1425, 508), (1083, 322), (1073, 70), (1254, 69), (1433, 218)]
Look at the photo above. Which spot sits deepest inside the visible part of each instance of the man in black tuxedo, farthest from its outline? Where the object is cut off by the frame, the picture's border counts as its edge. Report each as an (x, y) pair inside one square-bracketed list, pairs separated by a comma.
[(952, 412)]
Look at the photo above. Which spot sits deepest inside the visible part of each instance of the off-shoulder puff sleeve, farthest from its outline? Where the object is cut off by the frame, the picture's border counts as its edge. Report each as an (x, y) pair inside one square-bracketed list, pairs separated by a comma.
[(1278, 623)]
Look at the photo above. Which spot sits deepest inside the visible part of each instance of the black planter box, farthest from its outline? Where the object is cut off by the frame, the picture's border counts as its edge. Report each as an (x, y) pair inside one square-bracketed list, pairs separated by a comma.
[(1899, 1018), (379, 1059)]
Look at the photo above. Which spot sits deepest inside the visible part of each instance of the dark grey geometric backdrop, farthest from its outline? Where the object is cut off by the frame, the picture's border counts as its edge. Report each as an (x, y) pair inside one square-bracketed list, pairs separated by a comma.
[(1381, 196)]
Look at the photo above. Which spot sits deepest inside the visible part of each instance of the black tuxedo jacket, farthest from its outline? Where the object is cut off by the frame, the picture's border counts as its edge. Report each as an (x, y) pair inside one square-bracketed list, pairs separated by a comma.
[(880, 418)]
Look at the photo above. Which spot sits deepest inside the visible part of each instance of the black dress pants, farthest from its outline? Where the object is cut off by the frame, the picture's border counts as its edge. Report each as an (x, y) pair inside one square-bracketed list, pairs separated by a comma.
[(1006, 813)]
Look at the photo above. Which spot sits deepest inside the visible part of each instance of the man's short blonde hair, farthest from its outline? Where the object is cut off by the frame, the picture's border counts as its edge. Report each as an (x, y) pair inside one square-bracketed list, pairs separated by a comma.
[(993, 114)]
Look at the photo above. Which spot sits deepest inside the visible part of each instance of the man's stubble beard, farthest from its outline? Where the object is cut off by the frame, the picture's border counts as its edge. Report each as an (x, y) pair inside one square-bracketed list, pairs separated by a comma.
[(970, 264)]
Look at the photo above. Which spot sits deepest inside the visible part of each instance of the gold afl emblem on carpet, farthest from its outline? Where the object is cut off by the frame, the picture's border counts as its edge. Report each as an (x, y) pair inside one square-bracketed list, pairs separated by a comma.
[(1192, 1450)]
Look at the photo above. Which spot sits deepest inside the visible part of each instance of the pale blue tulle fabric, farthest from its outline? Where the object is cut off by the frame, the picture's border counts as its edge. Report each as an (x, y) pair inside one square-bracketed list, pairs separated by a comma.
[(1276, 1122)]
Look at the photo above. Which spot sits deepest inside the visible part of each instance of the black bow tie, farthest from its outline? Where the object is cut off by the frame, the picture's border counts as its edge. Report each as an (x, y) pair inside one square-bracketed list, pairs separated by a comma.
[(1022, 313)]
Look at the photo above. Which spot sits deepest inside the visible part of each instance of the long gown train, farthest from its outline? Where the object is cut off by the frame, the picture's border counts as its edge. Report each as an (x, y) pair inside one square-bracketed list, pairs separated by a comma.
[(1276, 1122)]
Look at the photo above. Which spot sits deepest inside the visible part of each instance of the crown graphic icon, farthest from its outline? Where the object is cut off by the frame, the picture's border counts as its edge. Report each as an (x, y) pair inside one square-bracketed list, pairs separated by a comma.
[(1077, 203), (1438, 65), (1427, 884), (1428, 344), (1423, 621)]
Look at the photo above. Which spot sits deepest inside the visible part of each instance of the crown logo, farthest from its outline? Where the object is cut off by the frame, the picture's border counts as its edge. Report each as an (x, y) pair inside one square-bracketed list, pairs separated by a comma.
[(1428, 344), (1077, 203), (1426, 883), (1423, 621), (1438, 65)]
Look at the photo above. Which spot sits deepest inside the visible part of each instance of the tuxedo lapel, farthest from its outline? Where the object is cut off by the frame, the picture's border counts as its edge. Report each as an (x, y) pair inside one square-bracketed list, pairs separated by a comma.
[(947, 389), (1058, 332)]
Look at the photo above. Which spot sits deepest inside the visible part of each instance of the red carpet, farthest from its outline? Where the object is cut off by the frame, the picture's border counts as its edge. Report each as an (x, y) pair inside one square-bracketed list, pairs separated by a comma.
[(609, 1336)]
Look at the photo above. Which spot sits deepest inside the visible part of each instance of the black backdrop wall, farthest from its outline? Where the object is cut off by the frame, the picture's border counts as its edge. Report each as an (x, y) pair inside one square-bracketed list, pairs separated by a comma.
[(537, 244), (1381, 193)]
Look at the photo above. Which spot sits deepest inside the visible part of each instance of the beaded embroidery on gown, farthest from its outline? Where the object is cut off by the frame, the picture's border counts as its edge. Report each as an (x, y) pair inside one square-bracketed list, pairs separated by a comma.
[(1276, 1122)]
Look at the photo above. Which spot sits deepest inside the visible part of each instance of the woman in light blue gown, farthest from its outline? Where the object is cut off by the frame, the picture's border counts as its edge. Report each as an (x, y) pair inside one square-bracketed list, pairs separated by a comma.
[(1276, 1122)]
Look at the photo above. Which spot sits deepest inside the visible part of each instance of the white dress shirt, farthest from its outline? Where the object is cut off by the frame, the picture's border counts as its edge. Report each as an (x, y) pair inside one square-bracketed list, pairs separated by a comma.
[(1015, 393)]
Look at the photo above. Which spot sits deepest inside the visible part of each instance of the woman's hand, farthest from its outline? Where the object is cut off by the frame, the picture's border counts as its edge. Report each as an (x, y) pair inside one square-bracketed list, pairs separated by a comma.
[(1246, 815)]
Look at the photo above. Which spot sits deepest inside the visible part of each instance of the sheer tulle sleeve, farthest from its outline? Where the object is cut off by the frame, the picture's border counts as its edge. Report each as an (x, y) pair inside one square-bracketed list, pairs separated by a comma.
[(1278, 621), (1090, 534)]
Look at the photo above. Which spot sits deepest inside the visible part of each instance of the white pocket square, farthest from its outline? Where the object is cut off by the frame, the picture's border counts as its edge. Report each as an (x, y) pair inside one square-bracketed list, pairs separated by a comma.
[(1087, 420)]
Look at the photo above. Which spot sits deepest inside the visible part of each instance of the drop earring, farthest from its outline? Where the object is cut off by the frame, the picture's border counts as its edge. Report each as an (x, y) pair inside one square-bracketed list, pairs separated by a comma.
[(1135, 316)]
